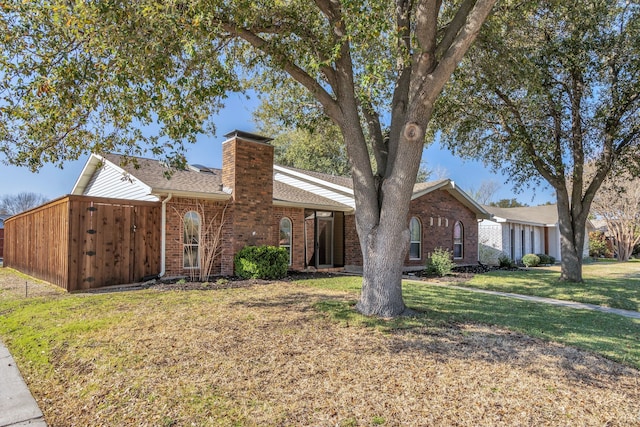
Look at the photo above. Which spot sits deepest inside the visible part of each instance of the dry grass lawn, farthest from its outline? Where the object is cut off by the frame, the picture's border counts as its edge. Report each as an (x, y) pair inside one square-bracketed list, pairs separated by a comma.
[(264, 356)]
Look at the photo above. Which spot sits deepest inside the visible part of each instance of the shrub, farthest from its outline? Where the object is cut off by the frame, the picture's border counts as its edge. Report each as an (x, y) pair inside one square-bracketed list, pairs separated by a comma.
[(531, 260), (544, 259), (552, 260), (504, 261), (261, 262), (598, 246), (440, 262)]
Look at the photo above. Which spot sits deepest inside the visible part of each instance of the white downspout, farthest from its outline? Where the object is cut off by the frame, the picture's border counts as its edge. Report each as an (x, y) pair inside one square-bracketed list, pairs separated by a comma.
[(163, 237)]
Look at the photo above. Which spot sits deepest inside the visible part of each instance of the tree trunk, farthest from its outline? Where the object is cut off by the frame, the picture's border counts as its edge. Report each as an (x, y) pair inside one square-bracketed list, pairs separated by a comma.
[(572, 224), (571, 263), (383, 258)]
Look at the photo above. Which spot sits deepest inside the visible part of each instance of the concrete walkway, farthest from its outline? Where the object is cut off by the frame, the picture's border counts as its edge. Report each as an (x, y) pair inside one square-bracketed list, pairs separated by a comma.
[(552, 301), (17, 405)]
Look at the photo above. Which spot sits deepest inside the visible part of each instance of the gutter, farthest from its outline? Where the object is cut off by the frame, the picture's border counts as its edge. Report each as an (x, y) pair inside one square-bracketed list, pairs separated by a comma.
[(163, 237)]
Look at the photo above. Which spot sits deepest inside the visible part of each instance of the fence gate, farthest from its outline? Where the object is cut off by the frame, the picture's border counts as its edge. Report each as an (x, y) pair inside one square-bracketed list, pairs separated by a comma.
[(117, 243)]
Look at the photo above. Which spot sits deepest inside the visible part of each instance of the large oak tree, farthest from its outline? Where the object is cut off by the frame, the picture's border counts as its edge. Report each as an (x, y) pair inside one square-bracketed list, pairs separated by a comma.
[(549, 87), (80, 76)]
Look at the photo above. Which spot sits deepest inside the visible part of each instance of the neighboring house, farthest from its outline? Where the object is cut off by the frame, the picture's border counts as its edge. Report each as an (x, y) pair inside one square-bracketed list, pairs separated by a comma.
[(309, 213), (515, 232)]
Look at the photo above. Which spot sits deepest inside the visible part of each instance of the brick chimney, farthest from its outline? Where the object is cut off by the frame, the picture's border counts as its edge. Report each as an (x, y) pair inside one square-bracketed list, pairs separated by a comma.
[(247, 170)]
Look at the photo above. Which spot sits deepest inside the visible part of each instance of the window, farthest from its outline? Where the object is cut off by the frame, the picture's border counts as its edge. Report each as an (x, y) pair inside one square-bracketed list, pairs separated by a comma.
[(191, 242), (512, 244), (523, 246), (458, 240), (415, 230), (533, 242), (285, 235)]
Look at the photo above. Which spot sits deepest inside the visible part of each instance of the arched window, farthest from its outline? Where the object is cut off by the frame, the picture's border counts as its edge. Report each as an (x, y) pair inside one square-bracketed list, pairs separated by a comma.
[(415, 230), (285, 235), (191, 240), (458, 240)]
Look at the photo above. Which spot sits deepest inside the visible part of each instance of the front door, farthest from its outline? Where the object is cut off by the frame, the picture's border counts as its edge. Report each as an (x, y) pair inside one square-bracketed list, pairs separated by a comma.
[(324, 249)]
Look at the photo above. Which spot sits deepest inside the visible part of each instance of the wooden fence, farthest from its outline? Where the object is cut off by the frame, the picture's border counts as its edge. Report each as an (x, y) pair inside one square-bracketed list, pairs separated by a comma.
[(1, 242), (80, 242)]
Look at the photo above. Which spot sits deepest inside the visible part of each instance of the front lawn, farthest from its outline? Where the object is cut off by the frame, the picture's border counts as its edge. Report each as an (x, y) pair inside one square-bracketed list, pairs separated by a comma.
[(297, 354), (611, 335), (609, 284)]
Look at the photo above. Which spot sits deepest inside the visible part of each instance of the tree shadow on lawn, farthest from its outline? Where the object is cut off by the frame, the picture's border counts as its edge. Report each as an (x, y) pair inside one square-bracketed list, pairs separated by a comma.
[(604, 333), (442, 308), (616, 290), (458, 330)]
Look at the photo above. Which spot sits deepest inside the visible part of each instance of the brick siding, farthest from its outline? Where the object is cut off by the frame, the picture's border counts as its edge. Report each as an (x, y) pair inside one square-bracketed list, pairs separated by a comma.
[(296, 215), (437, 211), (212, 215)]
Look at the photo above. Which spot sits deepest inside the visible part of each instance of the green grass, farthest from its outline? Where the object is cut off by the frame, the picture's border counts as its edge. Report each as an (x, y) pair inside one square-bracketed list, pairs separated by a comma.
[(614, 285), (612, 336)]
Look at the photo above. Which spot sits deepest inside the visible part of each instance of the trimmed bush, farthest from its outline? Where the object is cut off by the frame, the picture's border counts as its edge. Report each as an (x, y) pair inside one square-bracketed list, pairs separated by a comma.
[(531, 260), (261, 262), (504, 261), (440, 262), (546, 259)]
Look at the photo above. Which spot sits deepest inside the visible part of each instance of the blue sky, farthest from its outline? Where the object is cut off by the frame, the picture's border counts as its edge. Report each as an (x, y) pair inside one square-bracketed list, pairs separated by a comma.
[(53, 182)]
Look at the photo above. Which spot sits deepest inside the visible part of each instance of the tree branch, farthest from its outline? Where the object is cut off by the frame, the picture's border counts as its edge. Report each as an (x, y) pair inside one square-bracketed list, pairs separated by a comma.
[(454, 27), (329, 104)]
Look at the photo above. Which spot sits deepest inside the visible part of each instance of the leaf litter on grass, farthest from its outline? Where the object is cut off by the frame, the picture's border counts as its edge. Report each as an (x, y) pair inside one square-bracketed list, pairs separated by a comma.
[(264, 356)]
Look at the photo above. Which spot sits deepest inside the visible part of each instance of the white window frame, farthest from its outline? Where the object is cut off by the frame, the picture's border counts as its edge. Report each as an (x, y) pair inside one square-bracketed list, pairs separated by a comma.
[(195, 243), (412, 221), (288, 246), (461, 239)]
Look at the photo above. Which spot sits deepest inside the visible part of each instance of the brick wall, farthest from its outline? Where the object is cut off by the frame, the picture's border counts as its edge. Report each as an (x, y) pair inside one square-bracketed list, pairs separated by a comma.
[(212, 216), (352, 251), (437, 211), (247, 169), (296, 215)]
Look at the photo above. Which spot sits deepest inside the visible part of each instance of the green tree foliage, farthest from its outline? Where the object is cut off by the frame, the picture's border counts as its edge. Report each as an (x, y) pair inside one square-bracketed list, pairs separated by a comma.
[(306, 139), (92, 75), (551, 86), (508, 203), (598, 246)]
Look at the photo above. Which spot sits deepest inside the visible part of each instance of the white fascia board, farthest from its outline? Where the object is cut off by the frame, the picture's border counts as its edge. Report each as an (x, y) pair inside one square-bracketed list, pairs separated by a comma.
[(85, 176), (482, 212), (191, 194), (90, 169), (316, 189), (315, 180), (535, 224), (345, 209)]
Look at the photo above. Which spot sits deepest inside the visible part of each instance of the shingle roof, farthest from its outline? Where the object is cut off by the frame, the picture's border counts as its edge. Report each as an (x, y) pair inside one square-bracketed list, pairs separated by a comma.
[(545, 214), (289, 194), (347, 182), (152, 173)]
